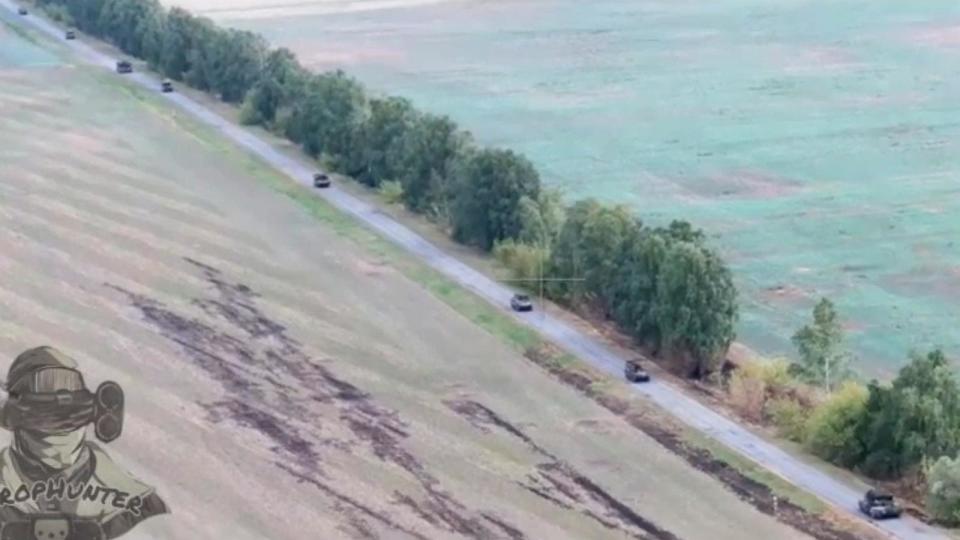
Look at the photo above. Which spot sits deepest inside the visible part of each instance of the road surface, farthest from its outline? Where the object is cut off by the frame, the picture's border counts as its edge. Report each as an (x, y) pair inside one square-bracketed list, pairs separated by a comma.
[(663, 394)]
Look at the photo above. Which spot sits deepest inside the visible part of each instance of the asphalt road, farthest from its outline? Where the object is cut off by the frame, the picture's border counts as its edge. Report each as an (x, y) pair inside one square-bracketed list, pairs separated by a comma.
[(663, 394)]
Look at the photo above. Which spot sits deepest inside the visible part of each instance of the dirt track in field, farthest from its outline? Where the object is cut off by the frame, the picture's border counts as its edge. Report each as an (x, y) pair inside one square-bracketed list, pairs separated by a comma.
[(282, 380)]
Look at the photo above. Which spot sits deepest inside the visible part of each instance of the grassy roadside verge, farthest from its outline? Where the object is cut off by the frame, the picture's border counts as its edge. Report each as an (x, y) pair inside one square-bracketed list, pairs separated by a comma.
[(737, 471), (28, 34)]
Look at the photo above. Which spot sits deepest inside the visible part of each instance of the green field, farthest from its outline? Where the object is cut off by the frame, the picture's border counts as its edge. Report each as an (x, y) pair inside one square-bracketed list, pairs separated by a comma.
[(818, 140)]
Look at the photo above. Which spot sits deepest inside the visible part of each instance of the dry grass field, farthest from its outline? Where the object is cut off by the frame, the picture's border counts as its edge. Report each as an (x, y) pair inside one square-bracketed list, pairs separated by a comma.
[(283, 381)]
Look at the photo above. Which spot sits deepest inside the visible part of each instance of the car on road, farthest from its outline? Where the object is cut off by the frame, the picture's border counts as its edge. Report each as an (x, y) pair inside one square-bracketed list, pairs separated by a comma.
[(879, 505), (22, 11), (124, 66), (521, 302), (633, 371), (70, 34), (166, 86), (321, 180)]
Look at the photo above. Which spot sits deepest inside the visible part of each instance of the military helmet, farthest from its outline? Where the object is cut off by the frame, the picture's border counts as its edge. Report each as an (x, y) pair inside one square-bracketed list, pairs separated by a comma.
[(43, 370)]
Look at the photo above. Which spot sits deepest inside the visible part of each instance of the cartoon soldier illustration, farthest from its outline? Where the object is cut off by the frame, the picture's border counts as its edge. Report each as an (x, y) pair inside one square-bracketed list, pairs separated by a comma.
[(54, 483)]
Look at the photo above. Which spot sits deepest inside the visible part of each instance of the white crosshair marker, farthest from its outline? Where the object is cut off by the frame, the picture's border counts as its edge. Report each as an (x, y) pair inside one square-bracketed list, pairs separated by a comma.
[(541, 280)]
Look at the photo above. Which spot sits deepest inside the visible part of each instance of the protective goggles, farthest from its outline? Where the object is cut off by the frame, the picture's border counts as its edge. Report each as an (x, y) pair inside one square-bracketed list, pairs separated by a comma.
[(51, 380)]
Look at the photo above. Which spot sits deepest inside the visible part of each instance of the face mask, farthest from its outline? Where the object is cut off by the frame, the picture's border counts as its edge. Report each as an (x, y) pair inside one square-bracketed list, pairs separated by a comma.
[(51, 417), (54, 451)]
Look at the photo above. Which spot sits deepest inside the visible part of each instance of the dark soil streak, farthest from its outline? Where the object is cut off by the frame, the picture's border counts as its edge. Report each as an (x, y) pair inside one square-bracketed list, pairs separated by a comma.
[(600, 519), (511, 532), (405, 500), (621, 510), (751, 491), (616, 515), (251, 370), (543, 493), (275, 428), (548, 472), (480, 416), (558, 482), (347, 500), (356, 526)]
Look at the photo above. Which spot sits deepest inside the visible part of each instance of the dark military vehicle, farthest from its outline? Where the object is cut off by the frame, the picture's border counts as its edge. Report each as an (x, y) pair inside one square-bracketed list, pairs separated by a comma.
[(634, 372), (70, 34), (166, 86), (521, 302), (124, 66), (22, 11), (321, 180), (879, 505)]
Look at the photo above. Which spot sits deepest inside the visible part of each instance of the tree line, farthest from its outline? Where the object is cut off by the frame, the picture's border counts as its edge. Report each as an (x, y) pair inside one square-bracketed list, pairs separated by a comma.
[(662, 285), (884, 430), (907, 430)]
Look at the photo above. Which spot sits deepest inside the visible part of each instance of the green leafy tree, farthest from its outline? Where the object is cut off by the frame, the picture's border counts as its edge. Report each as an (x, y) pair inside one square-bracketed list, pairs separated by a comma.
[(930, 406), (831, 429), (58, 13), (326, 119), (917, 418), (87, 15), (177, 43), (426, 157), (281, 82), (376, 153), (237, 60), (695, 307), (822, 358), (201, 53), (681, 231), (943, 491), (152, 28), (877, 435), (604, 235), (542, 219), (120, 21), (524, 261), (541, 222), (589, 246), (490, 186), (634, 290), (567, 256)]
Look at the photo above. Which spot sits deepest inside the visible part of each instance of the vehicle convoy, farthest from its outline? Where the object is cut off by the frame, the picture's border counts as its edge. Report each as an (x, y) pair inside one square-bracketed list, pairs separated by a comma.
[(321, 180), (521, 302), (879, 505), (124, 66), (634, 372)]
